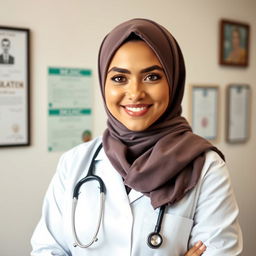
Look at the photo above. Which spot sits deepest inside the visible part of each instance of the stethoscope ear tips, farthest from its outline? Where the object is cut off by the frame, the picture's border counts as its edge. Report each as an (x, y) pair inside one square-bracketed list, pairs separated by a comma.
[(154, 240)]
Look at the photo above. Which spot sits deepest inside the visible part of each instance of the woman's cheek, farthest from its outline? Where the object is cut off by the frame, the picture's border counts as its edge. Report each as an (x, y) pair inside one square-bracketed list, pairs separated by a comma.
[(113, 95)]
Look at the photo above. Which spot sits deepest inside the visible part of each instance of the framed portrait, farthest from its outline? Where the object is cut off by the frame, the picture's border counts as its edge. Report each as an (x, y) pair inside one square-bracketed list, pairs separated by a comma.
[(14, 87), (204, 110), (234, 43), (238, 113)]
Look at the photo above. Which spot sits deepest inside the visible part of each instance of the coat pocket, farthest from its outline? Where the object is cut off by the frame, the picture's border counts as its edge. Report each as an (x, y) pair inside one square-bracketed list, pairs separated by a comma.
[(176, 231)]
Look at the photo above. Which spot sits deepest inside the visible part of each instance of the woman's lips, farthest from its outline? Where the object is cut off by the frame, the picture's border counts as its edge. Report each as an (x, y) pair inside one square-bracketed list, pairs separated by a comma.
[(136, 110)]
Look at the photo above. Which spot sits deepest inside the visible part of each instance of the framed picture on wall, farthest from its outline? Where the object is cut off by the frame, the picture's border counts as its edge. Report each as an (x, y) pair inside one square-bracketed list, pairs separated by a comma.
[(14, 87), (204, 110), (234, 43), (238, 113)]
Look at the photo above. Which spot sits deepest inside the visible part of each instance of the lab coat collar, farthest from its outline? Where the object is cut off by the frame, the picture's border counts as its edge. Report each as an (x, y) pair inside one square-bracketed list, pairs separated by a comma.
[(133, 195)]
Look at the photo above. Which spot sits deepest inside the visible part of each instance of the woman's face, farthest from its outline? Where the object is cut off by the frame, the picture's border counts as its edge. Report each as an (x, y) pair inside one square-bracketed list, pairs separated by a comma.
[(136, 88), (235, 39)]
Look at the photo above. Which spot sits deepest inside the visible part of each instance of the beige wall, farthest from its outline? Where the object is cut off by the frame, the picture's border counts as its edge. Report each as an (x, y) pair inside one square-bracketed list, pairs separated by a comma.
[(68, 33)]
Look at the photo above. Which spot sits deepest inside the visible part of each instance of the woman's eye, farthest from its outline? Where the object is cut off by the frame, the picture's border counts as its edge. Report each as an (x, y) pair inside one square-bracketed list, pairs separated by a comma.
[(152, 77), (119, 79)]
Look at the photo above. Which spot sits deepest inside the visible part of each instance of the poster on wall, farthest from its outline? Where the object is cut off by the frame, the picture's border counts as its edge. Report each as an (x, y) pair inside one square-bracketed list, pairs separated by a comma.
[(69, 107), (14, 87), (238, 113), (204, 111)]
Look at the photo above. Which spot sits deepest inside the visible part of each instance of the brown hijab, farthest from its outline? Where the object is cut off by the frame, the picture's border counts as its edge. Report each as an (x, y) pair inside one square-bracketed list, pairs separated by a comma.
[(164, 161)]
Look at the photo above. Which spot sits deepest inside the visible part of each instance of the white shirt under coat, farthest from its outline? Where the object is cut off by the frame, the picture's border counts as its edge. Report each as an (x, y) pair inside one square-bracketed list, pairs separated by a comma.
[(207, 213)]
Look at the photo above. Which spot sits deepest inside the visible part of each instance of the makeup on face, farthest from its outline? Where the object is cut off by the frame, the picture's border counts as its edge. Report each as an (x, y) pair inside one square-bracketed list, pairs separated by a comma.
[(136, 88)]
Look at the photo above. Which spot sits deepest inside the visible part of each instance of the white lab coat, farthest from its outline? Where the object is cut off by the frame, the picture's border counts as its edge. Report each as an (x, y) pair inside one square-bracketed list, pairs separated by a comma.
[(207, 213)]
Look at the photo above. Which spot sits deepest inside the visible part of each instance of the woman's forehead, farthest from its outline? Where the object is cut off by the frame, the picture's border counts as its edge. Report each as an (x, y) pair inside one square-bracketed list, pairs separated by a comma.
[(134, 54)]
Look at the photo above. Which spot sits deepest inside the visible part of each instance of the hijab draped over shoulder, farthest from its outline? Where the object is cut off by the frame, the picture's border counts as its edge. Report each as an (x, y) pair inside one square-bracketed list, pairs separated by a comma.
[(164, 161)]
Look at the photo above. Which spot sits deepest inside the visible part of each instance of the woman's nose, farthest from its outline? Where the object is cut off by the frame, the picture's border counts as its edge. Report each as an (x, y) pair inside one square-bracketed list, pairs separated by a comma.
[(135, 91)]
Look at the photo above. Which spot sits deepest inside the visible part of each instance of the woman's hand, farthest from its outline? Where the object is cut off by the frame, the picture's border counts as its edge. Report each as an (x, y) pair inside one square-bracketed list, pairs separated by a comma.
[(197, 249)]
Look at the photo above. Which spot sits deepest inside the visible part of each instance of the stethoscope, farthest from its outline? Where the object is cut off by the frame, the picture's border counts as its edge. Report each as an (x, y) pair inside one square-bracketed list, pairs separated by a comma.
[(154, 239)]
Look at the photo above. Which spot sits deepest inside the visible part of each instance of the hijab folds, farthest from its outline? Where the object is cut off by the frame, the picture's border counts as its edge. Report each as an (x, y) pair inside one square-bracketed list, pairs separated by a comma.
[(164, 161)]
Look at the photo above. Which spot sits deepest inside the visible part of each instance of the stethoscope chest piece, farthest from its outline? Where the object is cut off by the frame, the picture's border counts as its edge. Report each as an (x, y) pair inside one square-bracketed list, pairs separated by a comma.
[(154, 240)]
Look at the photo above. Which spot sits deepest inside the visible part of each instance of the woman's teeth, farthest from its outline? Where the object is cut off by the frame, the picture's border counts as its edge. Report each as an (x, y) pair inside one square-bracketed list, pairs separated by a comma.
[(135, 109)]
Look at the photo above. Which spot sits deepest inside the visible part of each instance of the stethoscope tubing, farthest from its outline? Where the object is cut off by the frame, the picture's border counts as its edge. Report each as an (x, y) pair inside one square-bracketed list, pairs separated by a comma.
[(102, 189), (160, 219), (94, 239)]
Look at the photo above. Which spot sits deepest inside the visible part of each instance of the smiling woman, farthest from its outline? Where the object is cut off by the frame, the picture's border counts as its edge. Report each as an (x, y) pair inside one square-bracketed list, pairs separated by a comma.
[(136, 93), (167, 190)]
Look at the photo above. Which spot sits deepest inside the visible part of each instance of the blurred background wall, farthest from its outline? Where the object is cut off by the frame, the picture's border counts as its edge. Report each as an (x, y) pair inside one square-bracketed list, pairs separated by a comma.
[(68, 33)]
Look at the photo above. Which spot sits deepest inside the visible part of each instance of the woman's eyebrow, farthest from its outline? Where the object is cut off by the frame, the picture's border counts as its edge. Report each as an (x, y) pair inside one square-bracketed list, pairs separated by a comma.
[(149, 69), (145, 70), (120, 70)]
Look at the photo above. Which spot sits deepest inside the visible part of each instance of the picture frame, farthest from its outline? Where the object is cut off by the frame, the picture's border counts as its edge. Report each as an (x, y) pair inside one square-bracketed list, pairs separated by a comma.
[(14, 86), (238, 113), (204, 111), (234, 43)]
